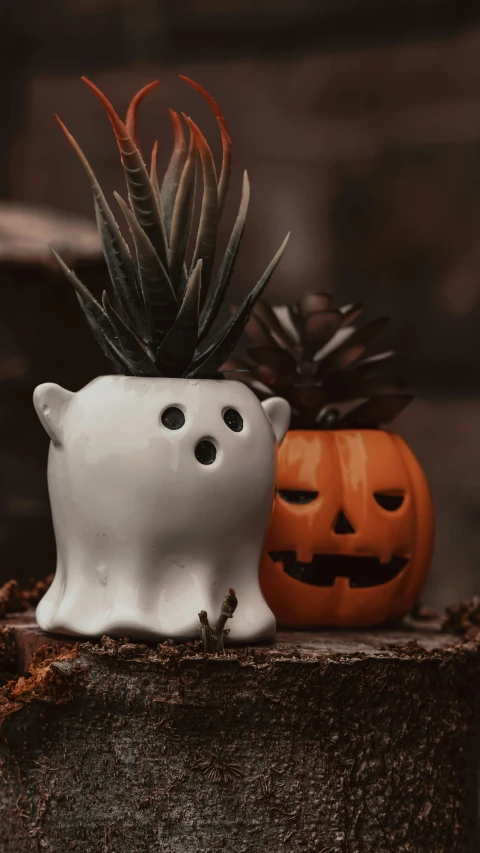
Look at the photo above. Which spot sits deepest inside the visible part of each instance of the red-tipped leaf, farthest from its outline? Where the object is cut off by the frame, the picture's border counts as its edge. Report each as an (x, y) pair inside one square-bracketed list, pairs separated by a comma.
[(173, 174), (131, 117), (226, 141), (208, 226), (176, 352), (115, 249), (143, 199), (182, 218)]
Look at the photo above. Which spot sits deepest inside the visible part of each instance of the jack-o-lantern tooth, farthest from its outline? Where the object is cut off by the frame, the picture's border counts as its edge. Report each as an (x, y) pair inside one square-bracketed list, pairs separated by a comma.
[(304, 555)]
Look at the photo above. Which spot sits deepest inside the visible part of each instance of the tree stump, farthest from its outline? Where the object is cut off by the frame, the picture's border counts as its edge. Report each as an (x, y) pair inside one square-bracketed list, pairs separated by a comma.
[(333, 742)]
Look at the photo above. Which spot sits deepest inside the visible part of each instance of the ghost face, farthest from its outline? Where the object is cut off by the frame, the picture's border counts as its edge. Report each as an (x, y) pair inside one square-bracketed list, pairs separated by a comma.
[(161, 492)]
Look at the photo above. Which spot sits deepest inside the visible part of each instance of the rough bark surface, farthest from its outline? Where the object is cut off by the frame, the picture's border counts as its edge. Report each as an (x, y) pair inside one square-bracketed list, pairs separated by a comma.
[(322, 743)]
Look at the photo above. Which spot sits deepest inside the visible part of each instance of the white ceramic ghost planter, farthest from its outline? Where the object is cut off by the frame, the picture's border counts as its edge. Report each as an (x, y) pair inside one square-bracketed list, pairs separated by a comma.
[(161, 492), (162, 488)]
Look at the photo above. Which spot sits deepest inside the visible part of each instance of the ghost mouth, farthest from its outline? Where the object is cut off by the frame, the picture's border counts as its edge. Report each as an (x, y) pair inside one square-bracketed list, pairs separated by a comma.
[(325, 568)]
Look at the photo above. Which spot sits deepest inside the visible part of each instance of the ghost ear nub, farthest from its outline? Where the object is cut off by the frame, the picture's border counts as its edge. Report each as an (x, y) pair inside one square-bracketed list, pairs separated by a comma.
[(50, 403), (277, 411)]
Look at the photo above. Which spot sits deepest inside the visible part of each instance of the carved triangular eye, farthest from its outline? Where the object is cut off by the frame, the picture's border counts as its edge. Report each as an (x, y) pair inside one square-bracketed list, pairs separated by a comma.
[(390, 501), (295, 496)]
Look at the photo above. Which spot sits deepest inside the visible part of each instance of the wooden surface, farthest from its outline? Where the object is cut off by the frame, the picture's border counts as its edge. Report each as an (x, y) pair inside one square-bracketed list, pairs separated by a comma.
[(29, 638), (347, 742)]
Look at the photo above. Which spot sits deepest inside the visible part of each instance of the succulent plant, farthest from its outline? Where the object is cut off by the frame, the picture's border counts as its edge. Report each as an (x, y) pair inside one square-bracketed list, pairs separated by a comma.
[(312, 354), (166, 297)]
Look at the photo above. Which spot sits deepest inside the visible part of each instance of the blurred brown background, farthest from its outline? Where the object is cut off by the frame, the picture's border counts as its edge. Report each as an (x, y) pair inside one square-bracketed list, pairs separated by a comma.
[(359, 123)]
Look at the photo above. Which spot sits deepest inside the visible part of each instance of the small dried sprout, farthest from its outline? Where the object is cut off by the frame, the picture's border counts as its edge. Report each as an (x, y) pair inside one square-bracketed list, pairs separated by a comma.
[(213, 638), (217, 770)]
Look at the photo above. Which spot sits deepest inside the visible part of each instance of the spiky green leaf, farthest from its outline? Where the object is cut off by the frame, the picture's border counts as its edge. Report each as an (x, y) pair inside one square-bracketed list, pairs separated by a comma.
[(216, 293), (141, 193), (104, 337), (226, 142), (153, 172), (160, 300), (182, 219), (176, 352), (95, 315), (131, 117), (223, 343), (208, 226), (214, 357), (115, 250), (171, 180), (138, 360)]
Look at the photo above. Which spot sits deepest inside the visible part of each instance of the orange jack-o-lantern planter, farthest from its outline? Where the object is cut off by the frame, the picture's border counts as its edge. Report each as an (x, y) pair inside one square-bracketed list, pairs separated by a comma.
[(351, 535)]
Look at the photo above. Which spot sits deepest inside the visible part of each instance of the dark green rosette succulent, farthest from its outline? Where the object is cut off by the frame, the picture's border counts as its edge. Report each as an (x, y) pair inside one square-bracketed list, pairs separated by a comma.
[(312, 354)]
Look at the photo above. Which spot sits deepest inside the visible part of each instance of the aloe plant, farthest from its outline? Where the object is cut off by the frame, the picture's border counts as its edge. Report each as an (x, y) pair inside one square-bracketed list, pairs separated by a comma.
[(167, 296), (313, 355)]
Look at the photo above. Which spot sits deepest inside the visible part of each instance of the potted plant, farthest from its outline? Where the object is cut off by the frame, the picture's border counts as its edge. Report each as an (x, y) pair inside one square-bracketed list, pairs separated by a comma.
[(161, 475), (351, 536)]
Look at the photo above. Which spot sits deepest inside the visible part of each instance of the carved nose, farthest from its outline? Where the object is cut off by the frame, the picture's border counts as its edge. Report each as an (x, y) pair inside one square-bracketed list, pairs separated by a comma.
[(342, 525)]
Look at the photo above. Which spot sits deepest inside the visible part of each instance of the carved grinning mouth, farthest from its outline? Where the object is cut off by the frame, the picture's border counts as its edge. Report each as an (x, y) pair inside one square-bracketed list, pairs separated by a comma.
[(324, 568)]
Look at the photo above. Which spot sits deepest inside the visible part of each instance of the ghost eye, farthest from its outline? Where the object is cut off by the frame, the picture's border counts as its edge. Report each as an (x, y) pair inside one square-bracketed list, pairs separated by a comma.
[(233, 420), (295, 496), (390, 501), (173, 418)]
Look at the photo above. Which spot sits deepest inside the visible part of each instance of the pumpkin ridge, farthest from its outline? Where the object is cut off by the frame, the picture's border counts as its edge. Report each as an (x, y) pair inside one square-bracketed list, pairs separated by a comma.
[(424, 515)]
